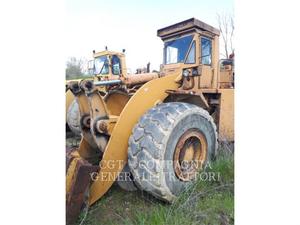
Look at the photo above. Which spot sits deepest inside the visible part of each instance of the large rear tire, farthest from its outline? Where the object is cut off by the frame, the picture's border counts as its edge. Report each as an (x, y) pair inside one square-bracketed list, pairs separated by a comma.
[(165, 138), (125, 180)]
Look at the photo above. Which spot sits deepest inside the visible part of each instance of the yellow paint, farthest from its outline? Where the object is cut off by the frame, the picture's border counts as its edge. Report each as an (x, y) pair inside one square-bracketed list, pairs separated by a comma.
[(71, 171), (69, 99), (189, 154), (226, 115), (116, 101), (87, 147)]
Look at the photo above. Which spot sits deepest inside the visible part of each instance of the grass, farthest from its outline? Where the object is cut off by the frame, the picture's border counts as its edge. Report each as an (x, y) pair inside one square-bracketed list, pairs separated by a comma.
[(204, 202)]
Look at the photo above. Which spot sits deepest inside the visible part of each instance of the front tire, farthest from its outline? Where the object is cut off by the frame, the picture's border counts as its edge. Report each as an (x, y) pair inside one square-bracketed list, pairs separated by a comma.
[(125, 180), (167, 136), (73, 118)]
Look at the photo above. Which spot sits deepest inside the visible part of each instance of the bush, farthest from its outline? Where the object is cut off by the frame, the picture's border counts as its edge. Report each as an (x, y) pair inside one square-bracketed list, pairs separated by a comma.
[(74, 68)]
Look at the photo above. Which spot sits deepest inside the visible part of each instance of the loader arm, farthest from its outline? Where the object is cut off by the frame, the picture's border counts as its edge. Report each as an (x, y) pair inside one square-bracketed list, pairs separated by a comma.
[(115, 154)]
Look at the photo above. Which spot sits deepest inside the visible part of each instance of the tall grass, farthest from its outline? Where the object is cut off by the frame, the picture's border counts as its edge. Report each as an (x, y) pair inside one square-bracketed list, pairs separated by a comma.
[(203, 202)]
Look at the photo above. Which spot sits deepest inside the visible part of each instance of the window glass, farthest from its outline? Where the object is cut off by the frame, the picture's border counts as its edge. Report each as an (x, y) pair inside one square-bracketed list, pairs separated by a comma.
[(116, 65), (91, 67), (191, 55), (101, 65), (176, 50), (205, 51)]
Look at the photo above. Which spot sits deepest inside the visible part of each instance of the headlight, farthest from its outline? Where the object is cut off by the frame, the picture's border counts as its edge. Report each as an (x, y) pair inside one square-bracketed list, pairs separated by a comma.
[(185, 73), (195, 72)]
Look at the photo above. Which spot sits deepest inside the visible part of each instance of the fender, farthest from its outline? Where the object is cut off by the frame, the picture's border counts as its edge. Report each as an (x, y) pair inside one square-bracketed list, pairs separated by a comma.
[(145, 98)]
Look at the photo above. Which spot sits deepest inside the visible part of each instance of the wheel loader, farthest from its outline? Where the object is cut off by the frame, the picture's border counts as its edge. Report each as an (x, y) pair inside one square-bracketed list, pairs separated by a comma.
[(107, 67), (160, 134)]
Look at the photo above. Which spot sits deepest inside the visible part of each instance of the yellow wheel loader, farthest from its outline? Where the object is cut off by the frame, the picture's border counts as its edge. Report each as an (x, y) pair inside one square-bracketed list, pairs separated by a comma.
[(107, 66), (158, 135)]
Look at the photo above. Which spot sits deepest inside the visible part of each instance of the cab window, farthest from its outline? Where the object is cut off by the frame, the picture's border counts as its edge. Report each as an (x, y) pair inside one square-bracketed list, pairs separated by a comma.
[(205, 51), (116, 65), (176, 50), (101, 65), (191, 56)]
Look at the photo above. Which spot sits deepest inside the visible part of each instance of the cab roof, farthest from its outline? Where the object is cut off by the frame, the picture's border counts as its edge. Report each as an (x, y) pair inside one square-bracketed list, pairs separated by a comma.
[(106, 52), (186, 26)]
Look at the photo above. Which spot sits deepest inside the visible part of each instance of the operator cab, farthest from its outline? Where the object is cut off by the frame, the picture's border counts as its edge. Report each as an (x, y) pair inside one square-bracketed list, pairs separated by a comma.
[(107, 64), (183, 50), (191, 47)]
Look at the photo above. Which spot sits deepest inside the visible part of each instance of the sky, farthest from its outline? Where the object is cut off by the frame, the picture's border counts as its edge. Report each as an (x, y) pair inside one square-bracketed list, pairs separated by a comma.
[(131, 25)]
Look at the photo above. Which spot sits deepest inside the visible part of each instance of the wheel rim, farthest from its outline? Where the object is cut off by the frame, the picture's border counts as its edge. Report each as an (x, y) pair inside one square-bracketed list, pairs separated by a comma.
[(190, 154)]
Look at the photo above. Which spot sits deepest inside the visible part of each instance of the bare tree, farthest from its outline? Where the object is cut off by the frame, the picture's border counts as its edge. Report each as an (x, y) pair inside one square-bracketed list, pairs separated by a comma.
[(226, 27)]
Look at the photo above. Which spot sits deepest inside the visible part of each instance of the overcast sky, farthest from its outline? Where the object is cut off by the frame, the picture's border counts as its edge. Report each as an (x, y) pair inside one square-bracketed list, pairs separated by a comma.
[(131, 25)]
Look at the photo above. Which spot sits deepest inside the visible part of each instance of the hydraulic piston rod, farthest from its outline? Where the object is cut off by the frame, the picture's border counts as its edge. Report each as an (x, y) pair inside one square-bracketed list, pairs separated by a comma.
[(107, 82)]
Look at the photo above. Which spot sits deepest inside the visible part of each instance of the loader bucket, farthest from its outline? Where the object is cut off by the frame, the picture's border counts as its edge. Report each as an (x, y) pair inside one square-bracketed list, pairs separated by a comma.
[(78, 179)]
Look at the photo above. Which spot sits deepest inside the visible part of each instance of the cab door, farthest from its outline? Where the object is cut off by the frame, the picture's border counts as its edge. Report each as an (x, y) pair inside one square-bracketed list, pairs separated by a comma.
[(206, 62), (116, 65)]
